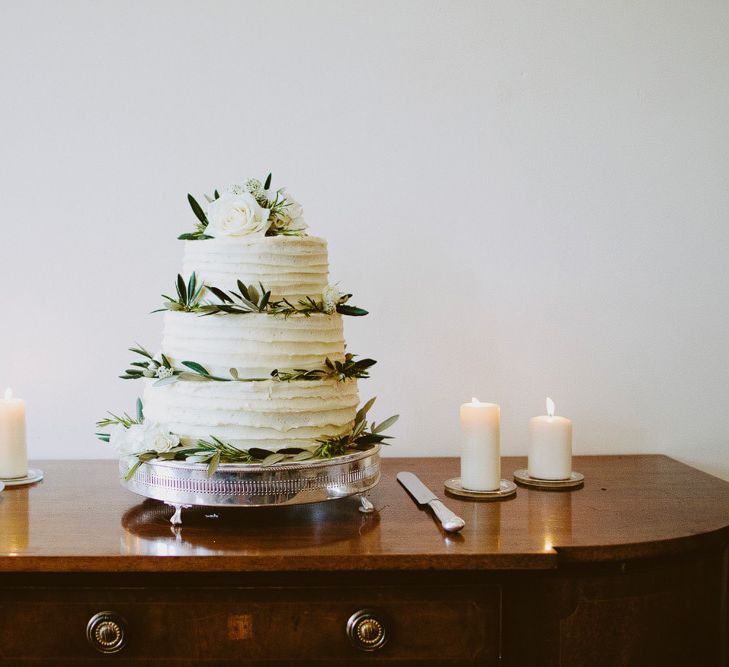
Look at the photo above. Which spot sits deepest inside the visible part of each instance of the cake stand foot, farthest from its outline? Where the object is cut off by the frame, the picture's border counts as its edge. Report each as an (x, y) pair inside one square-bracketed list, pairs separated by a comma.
[(176, 518), (365, 506)]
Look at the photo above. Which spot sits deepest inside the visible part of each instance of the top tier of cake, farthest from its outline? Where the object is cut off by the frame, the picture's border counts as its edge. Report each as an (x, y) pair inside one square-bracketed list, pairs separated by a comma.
[(291, 267)]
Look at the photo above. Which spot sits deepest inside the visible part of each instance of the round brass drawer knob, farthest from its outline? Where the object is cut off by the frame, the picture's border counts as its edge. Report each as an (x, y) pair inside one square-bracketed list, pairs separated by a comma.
[(367, 630), (107, 632)]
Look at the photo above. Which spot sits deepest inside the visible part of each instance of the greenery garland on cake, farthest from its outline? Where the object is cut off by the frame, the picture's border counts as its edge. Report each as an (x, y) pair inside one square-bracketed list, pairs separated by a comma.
[(251, 299), (144, 442), (166, 372)]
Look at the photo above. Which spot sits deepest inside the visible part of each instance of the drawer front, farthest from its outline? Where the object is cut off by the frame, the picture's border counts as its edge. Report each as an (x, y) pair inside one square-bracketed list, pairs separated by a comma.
[(403, 625)]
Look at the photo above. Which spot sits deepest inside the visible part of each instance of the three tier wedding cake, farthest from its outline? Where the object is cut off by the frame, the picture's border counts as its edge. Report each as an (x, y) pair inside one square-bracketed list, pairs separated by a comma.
[(252, 366)]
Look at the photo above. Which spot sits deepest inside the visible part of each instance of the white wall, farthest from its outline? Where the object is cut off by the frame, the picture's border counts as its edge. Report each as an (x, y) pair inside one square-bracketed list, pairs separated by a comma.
[(530, 197)]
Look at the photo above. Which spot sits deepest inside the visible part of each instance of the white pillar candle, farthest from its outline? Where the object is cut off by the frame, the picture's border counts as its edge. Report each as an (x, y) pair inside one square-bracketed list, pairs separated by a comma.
[(13, 454), (481, 454), (550, 445)]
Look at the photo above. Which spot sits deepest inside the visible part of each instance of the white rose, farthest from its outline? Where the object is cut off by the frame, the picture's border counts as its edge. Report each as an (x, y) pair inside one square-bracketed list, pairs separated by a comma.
[(127, 440), (158, 438), (295, 213), (236, 215)]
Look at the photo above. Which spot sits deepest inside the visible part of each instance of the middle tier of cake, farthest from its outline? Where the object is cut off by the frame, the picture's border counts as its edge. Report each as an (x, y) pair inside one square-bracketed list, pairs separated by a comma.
[(254, 344)]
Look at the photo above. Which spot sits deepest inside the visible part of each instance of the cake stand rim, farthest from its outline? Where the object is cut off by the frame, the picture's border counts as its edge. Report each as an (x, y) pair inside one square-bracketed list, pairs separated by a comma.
[(203, 491)]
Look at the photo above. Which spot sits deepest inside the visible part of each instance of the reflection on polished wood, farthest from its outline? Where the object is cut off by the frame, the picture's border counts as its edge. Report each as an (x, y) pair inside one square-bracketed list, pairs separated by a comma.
[(147, 528), (549, 518), (14, 522), (630, 569)]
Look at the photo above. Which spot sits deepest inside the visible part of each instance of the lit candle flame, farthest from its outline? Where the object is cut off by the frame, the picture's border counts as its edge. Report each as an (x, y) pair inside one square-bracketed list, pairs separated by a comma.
[(474, 400), (8, 394), (548, 546), (550, 407)]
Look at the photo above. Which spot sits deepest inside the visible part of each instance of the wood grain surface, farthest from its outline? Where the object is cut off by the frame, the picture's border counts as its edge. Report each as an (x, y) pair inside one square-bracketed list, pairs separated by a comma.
[(79, 518)]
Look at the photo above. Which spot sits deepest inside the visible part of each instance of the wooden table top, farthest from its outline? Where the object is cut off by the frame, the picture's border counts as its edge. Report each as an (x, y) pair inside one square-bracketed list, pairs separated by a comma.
[(80, 519)]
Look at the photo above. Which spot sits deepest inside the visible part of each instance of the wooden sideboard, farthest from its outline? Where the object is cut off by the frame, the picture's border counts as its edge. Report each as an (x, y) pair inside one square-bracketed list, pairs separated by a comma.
[(631, 569)]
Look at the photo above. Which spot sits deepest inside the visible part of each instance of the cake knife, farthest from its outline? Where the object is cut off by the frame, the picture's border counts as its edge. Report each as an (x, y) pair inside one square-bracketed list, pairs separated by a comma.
[(450, 521)]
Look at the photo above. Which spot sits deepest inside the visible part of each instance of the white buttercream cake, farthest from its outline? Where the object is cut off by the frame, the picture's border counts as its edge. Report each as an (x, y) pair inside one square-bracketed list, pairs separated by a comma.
[(268, 414)]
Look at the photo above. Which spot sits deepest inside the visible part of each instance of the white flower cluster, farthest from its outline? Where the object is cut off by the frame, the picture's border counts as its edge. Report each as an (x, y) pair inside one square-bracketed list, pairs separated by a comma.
[(157, 367), (254, 186), (330, 299), (140, 438), (291, 217), (251, 210)]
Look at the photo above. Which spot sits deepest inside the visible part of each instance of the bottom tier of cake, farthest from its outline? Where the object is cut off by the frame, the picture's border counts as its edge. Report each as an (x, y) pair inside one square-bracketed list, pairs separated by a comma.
[(271, 415)]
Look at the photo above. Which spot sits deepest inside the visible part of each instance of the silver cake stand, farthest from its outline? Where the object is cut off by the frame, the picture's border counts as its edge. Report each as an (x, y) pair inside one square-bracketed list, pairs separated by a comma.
[(181, 484)]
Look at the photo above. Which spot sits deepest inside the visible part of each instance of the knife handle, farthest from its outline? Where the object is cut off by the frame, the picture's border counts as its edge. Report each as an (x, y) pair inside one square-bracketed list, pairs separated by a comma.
[(450, 521)]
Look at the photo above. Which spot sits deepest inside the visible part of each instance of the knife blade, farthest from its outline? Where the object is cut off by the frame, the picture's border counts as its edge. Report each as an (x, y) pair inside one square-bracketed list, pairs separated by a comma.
[(422, 495)]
